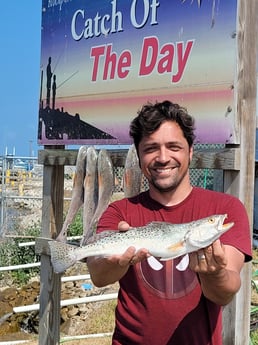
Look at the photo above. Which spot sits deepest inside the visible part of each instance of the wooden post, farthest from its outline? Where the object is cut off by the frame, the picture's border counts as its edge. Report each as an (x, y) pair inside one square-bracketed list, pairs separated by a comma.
[(50, 288), (236, 316)]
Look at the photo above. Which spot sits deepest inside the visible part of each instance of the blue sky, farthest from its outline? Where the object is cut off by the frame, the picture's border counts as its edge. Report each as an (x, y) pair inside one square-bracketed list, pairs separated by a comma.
[(20, 27)]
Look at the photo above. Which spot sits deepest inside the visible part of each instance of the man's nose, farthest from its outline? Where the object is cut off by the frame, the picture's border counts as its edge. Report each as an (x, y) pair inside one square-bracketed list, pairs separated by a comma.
[(163, 155)]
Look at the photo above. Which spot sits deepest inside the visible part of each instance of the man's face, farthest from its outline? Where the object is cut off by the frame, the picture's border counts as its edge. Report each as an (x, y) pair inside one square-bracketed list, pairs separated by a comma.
[(165, 157)]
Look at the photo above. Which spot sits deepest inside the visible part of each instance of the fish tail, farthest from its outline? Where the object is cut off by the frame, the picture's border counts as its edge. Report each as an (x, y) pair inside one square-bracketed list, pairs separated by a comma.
[(62, 256)]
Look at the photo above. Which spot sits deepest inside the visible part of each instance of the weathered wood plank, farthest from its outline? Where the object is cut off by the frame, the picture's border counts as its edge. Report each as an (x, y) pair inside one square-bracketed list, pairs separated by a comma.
[(236, 316), (41, 246), (225, 159), (57, 157), (52, 218), (68, 157)]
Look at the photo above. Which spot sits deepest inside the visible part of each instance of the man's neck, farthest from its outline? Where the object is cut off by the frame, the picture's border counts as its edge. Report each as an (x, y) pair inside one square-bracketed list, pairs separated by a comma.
[(171, 198)]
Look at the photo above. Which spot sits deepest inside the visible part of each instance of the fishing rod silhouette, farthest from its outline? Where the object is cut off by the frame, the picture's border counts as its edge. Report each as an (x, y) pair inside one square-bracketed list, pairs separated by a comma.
[(49, 83)]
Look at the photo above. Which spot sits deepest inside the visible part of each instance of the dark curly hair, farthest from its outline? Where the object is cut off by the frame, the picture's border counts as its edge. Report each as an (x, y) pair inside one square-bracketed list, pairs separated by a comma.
[(151, 116)]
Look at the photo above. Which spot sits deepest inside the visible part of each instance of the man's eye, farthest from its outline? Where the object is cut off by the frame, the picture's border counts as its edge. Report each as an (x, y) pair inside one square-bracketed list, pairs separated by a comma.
[(149, 149), (175, 148)]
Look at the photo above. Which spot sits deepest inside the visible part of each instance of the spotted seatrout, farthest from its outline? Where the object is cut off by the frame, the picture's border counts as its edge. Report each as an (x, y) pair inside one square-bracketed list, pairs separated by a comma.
[(105, 184), (132, 177), (77, 193), (163, 240)]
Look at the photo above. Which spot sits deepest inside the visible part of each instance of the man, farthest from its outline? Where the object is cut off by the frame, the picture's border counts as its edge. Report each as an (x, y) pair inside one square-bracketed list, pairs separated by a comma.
[(171, 302)]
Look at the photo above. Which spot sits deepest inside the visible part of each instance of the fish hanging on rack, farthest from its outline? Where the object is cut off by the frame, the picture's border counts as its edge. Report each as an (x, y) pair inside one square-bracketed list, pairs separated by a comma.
[(105, 184), (132, 178), (92, 188), (77, 193)]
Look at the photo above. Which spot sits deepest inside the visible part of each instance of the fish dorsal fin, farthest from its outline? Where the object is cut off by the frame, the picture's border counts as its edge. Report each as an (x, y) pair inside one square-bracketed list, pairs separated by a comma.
[(156, 222), (159, 225)]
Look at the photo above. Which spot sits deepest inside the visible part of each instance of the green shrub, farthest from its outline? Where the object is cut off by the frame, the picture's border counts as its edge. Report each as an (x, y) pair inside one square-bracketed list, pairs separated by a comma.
[(76, 228), (254, 338), (11, 254)]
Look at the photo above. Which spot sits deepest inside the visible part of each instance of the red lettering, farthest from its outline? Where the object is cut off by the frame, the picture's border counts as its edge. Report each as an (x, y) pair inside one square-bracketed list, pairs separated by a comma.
[(96, 52), (149, 55), (124, 64), (164, 58), (110, 62), (113, 66), (182, 59), (166, 62)]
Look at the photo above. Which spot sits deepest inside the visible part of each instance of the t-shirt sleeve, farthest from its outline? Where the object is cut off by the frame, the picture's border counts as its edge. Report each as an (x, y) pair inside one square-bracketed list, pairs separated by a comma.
[(112, 216)]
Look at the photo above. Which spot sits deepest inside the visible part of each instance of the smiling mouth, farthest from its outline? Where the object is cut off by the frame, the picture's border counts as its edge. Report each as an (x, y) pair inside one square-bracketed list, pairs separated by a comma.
[(161, 171), (164, 170)]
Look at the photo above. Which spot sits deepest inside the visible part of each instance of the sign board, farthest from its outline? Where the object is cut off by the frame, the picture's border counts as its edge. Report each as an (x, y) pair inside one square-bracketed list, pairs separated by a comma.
[(101, 60)]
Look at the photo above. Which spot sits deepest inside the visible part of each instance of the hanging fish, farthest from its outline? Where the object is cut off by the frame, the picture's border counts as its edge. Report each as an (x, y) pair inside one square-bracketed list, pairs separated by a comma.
[(90, 190), (132, 178), (77, 193), (104, 186)]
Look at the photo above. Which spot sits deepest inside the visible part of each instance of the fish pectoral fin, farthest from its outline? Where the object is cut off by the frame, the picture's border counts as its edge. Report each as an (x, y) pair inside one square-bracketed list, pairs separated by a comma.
[(177, 247)]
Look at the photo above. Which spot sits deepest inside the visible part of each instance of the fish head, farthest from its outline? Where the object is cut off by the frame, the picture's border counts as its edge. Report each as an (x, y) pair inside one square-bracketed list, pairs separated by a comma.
[(207, 230)]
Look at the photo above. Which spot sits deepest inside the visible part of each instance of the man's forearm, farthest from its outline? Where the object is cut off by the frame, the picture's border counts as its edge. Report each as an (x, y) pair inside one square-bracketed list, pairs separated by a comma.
[(221, 287)]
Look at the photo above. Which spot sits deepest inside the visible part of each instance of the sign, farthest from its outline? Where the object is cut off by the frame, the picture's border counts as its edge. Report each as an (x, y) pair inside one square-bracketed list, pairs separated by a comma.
[(101, 60)]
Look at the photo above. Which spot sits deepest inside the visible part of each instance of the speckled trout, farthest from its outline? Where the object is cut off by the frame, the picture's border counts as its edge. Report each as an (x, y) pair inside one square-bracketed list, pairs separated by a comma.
[(77, 193), (92, 189), (105, 184), (163, 240), (132, 177)]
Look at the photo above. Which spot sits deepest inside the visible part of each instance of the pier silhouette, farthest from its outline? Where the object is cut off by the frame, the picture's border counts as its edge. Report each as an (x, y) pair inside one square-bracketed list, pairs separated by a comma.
[(57, 124)]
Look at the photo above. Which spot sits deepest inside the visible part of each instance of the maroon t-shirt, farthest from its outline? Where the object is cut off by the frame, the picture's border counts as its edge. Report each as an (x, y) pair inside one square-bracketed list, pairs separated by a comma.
[(164, 305)]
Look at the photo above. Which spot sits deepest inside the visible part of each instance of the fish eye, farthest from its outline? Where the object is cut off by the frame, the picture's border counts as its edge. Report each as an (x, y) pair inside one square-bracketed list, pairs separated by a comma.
[(211, 220)]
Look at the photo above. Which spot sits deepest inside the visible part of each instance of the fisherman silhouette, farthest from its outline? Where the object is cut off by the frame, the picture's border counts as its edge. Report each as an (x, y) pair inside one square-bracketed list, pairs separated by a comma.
[(54, 92), (49, 77)]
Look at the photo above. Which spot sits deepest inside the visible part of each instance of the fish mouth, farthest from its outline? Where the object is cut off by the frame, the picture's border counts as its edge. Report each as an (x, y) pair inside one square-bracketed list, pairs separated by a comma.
[(225, 226)]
